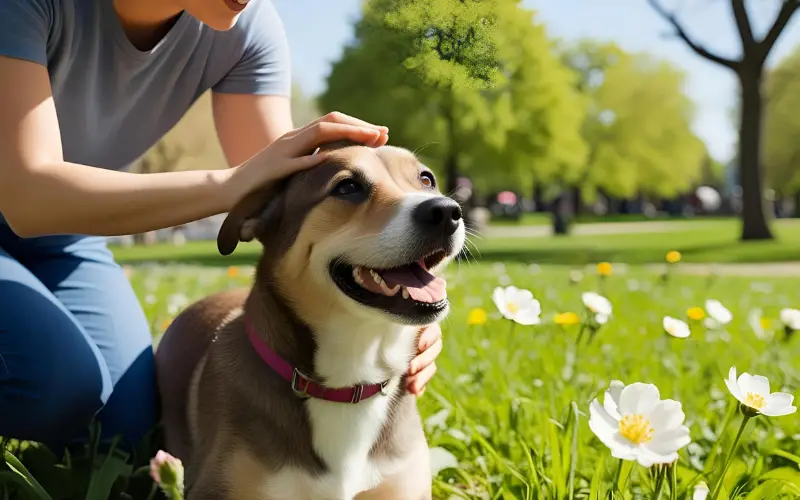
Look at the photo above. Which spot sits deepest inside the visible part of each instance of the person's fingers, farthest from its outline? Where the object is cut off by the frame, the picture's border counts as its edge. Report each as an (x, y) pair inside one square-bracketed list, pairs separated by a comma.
[(325, 132), (337, 117), (417, 383), (293, 165), (425, 358), (429, 335)]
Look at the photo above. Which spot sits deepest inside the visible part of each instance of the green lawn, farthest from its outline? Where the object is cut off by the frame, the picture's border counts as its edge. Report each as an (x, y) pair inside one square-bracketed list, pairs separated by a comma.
[(703, 241), (501, 413)]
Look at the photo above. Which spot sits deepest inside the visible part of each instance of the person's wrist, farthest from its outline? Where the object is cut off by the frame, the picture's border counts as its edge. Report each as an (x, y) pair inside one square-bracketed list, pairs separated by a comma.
[(226, 189)]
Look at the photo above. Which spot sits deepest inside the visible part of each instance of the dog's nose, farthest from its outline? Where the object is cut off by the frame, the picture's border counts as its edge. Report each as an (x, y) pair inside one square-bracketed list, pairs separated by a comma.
[(438, 214)]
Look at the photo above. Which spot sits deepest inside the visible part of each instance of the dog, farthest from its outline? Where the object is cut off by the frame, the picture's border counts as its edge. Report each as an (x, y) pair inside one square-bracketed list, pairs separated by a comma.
[(295, 388)]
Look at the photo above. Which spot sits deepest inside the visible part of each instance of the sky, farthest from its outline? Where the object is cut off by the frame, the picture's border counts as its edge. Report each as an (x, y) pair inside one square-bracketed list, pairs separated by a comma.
[(318, 30)]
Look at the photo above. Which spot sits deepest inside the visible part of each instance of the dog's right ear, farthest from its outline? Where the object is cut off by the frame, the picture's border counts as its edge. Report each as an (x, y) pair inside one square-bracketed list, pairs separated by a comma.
[(242, 223)]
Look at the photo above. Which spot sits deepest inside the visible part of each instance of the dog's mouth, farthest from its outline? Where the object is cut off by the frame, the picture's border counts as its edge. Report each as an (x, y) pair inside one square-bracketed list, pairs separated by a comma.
[(409, 290)]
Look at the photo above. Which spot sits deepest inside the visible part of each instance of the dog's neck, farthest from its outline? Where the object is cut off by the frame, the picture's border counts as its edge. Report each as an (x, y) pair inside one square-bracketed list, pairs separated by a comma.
[(280, 329), (344, 351)]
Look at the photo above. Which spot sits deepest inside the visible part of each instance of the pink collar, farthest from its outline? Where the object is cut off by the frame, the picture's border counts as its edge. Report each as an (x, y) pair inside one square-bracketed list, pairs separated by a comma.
[(305, 386)]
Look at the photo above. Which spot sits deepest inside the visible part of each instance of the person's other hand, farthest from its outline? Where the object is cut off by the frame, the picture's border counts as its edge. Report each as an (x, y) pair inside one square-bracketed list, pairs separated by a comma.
[(294, 151), (423, 366)]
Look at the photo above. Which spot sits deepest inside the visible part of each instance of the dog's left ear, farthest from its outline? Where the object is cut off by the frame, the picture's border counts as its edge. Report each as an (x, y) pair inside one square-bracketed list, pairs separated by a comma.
[(243, 222)]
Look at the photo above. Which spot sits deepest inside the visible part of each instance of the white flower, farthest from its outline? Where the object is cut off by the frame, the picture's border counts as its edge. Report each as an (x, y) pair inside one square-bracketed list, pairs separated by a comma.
[(598, 305), (676, 327), (636, 424), (757, 323), (518, 305), (753, 392), (790, 318), (700, 491), (718, 312)]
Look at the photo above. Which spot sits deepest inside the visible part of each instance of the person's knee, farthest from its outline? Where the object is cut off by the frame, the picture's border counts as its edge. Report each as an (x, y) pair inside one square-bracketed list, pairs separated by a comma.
[(53, 380), (55, 405)]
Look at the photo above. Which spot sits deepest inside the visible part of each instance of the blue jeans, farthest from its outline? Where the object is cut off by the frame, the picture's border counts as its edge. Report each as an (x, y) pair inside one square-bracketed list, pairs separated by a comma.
[(74, 342)]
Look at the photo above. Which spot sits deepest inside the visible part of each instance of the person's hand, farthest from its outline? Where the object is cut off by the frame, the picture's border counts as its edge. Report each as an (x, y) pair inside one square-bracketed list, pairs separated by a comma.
[(294, 151), (423, 366)]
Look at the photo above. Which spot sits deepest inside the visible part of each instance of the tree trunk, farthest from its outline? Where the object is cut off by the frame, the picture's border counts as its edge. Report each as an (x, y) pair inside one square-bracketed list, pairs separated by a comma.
[(562, 211), (751, 175), (797, 203)]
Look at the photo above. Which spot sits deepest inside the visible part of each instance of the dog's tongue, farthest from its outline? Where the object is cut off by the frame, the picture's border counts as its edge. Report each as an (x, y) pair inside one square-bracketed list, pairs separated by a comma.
[(421, 285)]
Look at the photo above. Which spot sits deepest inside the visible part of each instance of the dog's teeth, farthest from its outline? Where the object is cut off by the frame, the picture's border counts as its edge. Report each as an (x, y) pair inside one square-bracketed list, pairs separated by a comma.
[(405, 293), (357, 276), (391, 292), (376, 276)]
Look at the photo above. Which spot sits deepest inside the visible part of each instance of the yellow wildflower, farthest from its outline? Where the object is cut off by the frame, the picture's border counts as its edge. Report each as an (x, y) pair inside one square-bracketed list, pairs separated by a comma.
[(566, 318), (233, 272), (696, 313), (604, 269), (673, 256), (476, 316)]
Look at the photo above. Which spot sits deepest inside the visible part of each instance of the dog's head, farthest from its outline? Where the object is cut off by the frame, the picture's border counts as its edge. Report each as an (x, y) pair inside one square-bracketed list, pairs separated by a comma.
[(363, 233)]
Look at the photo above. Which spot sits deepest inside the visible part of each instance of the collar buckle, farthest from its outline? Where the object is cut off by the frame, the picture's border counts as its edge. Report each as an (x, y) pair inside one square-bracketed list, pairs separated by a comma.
[(297, 375)]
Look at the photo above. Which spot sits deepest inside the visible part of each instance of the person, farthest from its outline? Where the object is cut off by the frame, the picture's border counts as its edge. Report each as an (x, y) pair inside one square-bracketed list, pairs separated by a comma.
[(86, 87)]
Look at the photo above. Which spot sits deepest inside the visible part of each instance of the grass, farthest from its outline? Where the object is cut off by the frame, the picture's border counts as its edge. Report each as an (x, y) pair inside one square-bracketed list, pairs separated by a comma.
[(698, 241), (508, 409)]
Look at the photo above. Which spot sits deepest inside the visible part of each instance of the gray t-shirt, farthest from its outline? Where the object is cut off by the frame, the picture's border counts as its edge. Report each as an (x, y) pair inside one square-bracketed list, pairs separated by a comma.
[(115, 101)]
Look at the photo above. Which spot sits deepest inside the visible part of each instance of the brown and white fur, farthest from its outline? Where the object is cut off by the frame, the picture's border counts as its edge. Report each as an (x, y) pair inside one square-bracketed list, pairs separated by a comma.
[(241, 431)]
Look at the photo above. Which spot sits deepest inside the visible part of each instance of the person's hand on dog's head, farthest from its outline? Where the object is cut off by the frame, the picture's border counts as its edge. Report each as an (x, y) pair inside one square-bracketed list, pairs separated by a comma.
[(251, 184), (295, 151)]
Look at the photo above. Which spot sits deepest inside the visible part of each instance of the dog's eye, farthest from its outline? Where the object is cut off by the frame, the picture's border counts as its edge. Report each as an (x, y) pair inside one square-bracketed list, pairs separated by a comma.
[(427, 179), (348, 188)]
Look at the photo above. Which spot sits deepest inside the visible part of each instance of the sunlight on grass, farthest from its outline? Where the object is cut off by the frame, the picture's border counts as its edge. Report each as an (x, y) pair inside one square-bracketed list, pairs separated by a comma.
[(507, 414)]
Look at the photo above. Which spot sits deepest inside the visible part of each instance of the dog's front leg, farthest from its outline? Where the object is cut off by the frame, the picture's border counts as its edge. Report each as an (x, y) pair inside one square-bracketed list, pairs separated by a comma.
[(412, 482)]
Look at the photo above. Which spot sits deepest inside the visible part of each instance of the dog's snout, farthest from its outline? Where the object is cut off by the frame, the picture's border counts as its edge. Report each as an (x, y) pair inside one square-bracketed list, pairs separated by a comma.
[(438, 214)]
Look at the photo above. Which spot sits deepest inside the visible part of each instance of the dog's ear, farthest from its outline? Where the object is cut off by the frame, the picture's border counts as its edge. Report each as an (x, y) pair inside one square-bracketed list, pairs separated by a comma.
[(243, 222)]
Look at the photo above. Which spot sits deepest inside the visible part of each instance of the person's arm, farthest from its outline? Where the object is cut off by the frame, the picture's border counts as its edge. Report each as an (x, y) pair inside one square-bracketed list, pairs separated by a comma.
[(42, 194), (247, 123)]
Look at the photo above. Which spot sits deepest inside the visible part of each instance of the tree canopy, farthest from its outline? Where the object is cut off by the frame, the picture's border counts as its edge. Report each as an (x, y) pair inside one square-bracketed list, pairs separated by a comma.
[(638, 122), (474, 85), (782, 126)]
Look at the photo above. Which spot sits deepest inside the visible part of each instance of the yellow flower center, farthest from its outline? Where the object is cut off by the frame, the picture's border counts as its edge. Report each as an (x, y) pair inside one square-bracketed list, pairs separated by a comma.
[(635, 428), (755, 401), (567, 318), (673, 257), (476, 317), (604, 269), (696, 313), (512, 307), (766, 324)]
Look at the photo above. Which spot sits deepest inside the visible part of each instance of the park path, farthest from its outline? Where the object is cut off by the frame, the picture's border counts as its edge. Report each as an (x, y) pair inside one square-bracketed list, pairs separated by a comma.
[(754, 270), (590, 229)]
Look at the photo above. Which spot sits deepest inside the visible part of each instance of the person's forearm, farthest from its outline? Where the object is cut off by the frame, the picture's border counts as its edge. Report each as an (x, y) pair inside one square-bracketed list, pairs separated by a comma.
[(78, 199)]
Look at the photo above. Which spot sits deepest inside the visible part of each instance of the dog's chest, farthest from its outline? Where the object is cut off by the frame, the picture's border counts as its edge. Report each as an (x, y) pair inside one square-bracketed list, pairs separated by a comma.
[(343, 435)]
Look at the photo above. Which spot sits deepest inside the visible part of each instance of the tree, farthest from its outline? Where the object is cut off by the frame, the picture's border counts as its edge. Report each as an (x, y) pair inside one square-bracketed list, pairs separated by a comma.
[(782, 127), (749, 70), (472, 84), (638, 123)]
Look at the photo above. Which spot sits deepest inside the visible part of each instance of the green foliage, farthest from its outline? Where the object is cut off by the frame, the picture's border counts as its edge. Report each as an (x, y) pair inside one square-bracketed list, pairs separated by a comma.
[(782, 126), (94, 471), (511, 410), (638, 122), (473, 84)]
